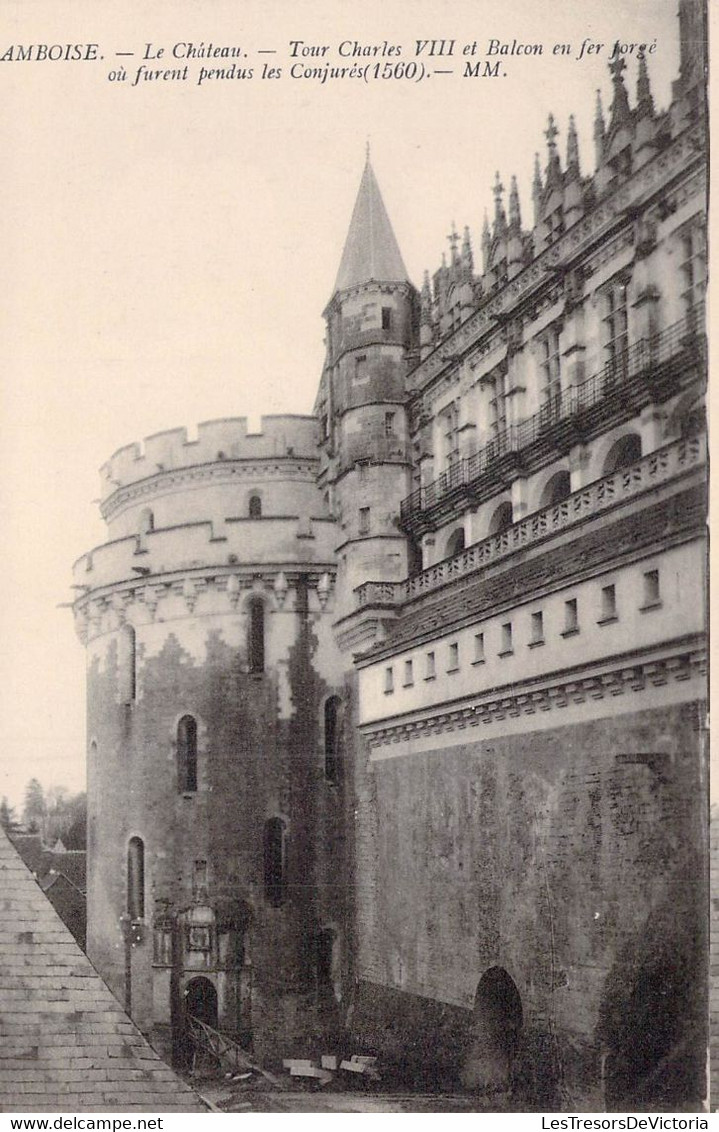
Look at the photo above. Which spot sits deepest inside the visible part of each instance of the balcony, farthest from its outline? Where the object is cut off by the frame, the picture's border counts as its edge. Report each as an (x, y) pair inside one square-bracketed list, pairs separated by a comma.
[(649, 370), (659, 467)]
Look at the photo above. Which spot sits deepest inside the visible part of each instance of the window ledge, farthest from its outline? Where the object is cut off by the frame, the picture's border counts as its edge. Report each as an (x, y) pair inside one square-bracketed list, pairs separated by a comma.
[(430, 678), (650, 605), (480, 660), (506, 652), (451, 670), (535, 644), (389, 691), (569, 633), (607, 620), (408, 684)]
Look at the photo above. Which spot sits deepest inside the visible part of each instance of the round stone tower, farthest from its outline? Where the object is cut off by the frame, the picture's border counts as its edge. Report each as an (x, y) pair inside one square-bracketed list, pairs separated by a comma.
[(215, 778)]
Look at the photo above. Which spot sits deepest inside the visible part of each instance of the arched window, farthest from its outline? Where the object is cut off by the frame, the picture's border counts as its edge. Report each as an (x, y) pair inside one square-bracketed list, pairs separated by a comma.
[(332, 737), (557, 489), (627, 450), (255, 507), (146, 521), (136, 879), (187, 755), (275, 862), (128, 665), (455, 543), (256, 641), (501, 519)]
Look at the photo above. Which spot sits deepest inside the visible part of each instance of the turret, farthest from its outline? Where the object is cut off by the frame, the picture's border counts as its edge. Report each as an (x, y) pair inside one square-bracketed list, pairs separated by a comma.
[(371, 331)]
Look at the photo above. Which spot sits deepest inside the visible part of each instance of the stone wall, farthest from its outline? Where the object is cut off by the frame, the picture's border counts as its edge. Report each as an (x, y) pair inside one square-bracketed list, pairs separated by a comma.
[(573, 860)]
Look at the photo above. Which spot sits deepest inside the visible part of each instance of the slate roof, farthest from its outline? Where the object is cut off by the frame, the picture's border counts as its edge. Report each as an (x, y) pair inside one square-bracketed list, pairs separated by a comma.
[(371, 251), (46, 862), (65, 1042)]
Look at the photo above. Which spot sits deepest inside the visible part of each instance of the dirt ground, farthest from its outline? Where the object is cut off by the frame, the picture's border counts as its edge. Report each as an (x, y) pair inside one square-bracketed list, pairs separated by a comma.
[(229, 1099)]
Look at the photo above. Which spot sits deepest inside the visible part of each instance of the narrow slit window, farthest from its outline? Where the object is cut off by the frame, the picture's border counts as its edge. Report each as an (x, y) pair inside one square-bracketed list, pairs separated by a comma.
[(537, 628), (332, 737), (478, 648), (386, 318), (255, 507), (431, 670), (136, 879), (408, 676), (275, 861), (453, 657), (506, 639), (128, 665), (364, 520), (571, 617), (187, 755), (608, 606), (651, 589), (388, 680), (256, 642)]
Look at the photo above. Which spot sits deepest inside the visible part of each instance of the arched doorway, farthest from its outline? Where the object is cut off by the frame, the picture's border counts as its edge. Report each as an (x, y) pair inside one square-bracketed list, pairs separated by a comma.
[(501, 519), (496, 1026), (201, 1001), (455, 543), (625, 451), (556, 489)]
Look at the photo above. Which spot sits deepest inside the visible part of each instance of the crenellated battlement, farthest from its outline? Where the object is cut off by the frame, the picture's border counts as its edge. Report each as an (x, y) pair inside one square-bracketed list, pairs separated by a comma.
[(292, 539), (218, 440)]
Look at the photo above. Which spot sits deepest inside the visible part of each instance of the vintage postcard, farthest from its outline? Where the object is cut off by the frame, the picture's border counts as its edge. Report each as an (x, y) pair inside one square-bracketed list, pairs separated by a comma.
[(353, 478)]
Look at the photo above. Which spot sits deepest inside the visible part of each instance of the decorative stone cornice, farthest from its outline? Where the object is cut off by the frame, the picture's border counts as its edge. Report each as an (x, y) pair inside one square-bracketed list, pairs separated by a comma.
[(148, 599), (512, 701)]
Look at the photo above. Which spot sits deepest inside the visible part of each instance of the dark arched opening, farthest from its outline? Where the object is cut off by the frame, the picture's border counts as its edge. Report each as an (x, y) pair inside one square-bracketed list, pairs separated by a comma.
[(557, 489), (128, 665), (136, 879), (255, 507), (496, 1025), (414, 557), (332, 737), (187, 755), (201, 1001), (455, 543), (627, 450), (256, 643), (651, 1060), (501, 519)]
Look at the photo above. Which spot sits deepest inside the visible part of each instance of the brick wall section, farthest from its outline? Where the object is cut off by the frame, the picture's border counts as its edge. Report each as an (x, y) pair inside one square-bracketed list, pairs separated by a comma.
[(65, 1043), (714, 960)]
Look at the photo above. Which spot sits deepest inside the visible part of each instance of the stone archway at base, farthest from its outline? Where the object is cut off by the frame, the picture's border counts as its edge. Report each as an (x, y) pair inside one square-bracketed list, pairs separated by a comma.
[(496, 1026)]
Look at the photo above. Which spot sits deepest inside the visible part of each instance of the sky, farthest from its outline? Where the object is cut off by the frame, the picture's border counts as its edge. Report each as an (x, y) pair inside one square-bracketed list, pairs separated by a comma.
[(169, 247)]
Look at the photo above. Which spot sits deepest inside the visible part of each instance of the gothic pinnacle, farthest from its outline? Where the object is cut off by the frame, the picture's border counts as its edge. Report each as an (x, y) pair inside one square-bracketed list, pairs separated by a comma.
[(645, 102), (515, 217), (500, 220), (620, 112), (572, 147)]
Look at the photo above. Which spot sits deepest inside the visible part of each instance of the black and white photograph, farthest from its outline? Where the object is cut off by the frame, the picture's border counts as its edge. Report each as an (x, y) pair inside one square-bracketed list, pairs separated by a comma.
[(353, 480)]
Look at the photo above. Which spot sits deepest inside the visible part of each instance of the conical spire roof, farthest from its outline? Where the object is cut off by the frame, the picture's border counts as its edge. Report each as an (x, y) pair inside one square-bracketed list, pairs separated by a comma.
[(371, 250)]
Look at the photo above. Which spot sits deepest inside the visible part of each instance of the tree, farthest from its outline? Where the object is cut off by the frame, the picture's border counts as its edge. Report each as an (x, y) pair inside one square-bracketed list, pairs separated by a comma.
[(33, 813), (7, 815)]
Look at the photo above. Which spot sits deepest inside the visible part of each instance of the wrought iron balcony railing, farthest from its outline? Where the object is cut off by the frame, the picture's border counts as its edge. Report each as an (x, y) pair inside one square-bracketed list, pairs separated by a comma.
[(656, 468), (624, 379)]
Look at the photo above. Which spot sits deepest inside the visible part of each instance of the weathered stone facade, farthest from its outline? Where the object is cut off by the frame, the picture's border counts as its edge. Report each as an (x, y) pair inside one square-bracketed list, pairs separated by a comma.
[(396, 713)]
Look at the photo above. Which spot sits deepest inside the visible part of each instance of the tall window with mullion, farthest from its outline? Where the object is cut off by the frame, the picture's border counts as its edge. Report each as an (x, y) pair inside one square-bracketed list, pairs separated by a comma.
[(450, 437), (692, 269), (551, 392), (615, 328)]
